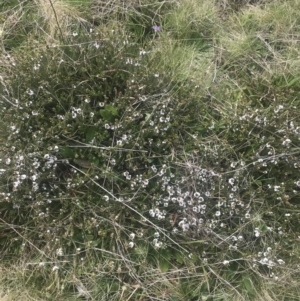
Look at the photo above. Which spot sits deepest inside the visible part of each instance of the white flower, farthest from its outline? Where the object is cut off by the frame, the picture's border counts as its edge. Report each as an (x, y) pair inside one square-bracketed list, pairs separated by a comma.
[(201, 200), (280, 261), (276, 188), (59, 252), (154, 169), (96, 45), (286, 141), (218, 213), (225, 262), (197, 195), (131, 244), (231, 181), (152, 212), (256, 232), (55, 268), (280, 107), (75, 34), (8, 161), (132, 236)]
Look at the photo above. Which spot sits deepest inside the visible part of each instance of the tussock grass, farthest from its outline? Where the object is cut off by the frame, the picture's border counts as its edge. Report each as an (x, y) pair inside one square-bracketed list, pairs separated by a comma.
[(149, 150)]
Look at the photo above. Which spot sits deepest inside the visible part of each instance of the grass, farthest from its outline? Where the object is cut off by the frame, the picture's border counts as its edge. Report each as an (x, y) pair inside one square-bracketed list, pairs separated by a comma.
[(149, 150)]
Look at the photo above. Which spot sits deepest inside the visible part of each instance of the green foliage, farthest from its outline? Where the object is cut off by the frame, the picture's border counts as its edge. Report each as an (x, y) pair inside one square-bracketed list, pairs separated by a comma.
[(140, 161)]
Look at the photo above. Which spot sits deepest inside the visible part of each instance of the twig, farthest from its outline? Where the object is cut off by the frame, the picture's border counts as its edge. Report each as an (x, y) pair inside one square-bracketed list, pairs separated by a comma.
[(55, 15)]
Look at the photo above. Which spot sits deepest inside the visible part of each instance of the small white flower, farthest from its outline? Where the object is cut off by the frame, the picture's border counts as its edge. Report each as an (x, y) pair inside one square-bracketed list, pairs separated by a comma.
[(247, 215), (226, 262), (131, 244), (96, 45), (276, 188), (55, 268), (280, 107), (218, 213), (280, 261), (152, 212), (75, 34), (59, 252), (256, 232), (156, 234), (8, 161), (287, 142), (231, 181), (132, 236), (106, 198), (196, 194), (156, 75)]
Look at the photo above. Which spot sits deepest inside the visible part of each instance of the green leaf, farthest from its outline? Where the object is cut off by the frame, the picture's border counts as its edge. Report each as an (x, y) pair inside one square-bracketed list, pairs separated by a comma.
[(106, 115), (111, 109), (263, 228), (248, 285), (67, 152), (164, 264), (90, 134), (147, 117), (179, 257)]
